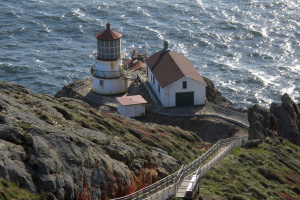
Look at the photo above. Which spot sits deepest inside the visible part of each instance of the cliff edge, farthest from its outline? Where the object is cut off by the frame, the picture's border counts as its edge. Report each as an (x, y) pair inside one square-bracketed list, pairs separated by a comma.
[(65, 149)]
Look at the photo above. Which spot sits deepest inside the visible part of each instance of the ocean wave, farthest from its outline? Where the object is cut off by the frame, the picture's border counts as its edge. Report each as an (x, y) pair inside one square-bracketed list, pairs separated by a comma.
[(240, 45), (14, 69)]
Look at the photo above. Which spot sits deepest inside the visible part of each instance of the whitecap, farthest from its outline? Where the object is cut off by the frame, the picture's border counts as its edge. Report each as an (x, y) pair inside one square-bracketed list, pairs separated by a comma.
[(181, 48), (264, 32), (289, 89), (287, 48), (200, 4), (158, 34), (48, 30), (78, 13)]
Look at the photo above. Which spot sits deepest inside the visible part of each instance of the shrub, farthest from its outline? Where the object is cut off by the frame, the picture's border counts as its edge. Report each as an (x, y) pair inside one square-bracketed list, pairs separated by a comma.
[(270, 175), (64, 112)]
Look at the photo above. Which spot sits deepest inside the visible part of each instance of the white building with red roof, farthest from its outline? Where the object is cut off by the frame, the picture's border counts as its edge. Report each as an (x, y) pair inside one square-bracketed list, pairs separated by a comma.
[(174, 79), (131, 106)]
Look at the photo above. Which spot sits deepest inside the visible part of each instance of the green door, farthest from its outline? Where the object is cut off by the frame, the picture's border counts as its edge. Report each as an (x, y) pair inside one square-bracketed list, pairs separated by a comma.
[(185, 99)]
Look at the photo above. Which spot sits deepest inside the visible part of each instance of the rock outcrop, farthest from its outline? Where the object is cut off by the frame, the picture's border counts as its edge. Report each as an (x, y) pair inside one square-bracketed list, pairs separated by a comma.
[(68, 150), (213, 95), (281, 120), (262, 123), (68, 90), (288, 119)]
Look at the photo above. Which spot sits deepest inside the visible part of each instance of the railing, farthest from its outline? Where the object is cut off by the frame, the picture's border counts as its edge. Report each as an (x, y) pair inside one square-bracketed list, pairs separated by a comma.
[(106, 74), (168, 186), (147, 87), (130, 74), (147, 192), (227, 113), (203, 169)]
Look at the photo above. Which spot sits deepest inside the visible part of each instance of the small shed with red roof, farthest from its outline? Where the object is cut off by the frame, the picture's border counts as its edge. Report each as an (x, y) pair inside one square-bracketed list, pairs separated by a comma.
[(131, 106)]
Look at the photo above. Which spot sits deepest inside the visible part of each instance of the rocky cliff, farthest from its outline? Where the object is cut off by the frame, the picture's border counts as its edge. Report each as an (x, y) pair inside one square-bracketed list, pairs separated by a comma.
[(62, 148), (281, 120), (213, 95), (65, 149)]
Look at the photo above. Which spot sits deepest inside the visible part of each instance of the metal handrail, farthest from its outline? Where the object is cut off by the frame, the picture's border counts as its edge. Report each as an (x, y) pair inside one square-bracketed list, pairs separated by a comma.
[(202, 170), (184, 171), (147, 88), (227, 113)]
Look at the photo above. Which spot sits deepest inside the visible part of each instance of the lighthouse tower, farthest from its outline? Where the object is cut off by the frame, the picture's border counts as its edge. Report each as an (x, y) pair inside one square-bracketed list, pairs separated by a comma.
[(108, 71)]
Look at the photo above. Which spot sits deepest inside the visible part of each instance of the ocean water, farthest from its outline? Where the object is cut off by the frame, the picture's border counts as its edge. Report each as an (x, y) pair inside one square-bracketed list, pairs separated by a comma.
[(249, 48)]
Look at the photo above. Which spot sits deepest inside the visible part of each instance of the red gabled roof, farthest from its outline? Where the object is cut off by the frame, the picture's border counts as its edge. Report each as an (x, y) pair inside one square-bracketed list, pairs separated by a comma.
[(131, 100), (108, 34), (133, 65), (169, 66)]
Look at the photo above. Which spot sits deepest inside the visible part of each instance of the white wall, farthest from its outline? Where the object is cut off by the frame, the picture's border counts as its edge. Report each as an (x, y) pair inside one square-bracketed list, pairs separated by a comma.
[(120, 108), (114, 65), (160, 95), (109, 86), (198, 88), (132, 110)]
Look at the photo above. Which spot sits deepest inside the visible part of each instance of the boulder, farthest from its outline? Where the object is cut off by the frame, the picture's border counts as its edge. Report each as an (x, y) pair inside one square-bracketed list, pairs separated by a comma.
[(288, 119), (283, 119), (253, 143), (213, 95), (262, 123)]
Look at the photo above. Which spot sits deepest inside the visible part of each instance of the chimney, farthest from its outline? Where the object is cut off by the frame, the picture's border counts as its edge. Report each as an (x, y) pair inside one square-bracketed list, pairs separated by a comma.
[(166, 46), (133, 53)]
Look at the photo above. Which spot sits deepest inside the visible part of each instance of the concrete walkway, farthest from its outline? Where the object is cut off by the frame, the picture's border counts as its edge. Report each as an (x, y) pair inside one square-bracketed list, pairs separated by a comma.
[(84, 89), (181, 191)]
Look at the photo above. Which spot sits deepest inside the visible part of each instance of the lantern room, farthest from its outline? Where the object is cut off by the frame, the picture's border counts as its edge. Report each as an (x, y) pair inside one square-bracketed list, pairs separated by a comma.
[(109, 44)]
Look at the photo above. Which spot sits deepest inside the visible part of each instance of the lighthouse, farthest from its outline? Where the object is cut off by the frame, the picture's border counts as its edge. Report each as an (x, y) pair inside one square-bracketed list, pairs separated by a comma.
[(108, 70)]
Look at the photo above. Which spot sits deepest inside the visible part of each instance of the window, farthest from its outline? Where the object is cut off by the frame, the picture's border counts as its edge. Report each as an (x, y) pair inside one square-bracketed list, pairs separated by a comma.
[(109, 49), (101, 82), (184, 84), (158, 88)]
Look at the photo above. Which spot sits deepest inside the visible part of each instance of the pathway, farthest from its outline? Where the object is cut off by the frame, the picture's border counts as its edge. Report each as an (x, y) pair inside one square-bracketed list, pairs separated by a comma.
[(184, 182), (187, 182)]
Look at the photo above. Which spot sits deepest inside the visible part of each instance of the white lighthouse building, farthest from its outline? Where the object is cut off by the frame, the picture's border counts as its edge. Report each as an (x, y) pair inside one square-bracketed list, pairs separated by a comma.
[(108, 71)]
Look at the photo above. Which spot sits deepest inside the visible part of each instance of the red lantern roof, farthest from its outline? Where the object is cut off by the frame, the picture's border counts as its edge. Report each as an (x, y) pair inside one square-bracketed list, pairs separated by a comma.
[(108, 34)]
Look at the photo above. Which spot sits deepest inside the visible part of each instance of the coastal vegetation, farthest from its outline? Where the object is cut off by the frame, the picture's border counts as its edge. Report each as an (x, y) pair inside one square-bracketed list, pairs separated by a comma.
[(62, 147), (65, 148), (10, 190), (269, 171)]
